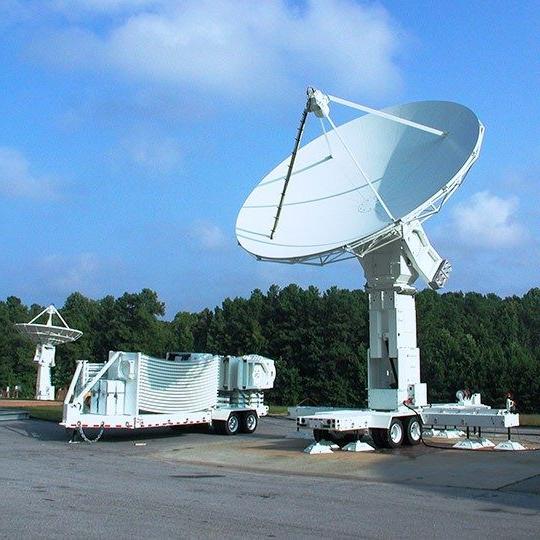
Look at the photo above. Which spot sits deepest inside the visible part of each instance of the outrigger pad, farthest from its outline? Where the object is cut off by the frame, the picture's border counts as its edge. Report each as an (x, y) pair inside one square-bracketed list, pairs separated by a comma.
[(486, 443), (444, 433), (469, 444), (330, 444), (509, 445), (473, 442), (358, 446), (318, 448)]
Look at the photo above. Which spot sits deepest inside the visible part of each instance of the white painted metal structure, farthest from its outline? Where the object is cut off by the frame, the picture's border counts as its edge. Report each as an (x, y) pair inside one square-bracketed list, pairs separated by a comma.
[(47, 336), (132, 390), (363, 190)]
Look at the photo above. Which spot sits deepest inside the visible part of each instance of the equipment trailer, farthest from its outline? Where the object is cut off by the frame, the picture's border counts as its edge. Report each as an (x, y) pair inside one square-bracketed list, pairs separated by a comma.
[(397, 400), (135, 391), (391, 429)]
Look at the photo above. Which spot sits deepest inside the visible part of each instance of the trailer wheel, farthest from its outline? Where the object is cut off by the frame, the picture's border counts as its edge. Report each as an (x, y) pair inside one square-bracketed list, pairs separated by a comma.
[(319, 434), (249, 422), (395, 434), (232, 424), (413, 431)]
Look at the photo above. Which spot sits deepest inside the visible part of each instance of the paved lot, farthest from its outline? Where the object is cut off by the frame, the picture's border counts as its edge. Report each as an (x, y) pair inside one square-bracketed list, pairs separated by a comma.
[(202, 485)]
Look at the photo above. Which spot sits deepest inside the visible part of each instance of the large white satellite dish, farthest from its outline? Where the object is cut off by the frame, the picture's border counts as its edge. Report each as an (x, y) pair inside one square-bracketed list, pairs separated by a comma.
[(46, 336), (362, 190), (357, 183)]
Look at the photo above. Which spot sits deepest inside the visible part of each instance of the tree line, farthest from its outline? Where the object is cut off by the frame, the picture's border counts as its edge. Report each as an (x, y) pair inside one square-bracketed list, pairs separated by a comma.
[(319, 340)]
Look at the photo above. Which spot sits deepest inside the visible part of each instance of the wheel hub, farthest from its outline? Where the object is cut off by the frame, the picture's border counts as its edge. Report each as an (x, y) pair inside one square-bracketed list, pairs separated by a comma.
[(395, 433), (415, 430), (233, 423), (250, 422)]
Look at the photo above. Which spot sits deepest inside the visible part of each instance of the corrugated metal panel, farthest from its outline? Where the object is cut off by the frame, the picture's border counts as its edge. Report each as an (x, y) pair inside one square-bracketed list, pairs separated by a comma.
[(182, 386)]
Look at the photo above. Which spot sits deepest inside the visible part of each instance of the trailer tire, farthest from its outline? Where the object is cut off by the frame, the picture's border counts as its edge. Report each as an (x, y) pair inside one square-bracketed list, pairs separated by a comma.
[(413, 431), (231, 426), (249, 422), (319, 434), (395, 434)]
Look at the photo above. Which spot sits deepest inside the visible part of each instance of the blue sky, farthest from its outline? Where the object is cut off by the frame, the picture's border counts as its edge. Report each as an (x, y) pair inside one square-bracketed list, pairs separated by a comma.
[(132, 131)]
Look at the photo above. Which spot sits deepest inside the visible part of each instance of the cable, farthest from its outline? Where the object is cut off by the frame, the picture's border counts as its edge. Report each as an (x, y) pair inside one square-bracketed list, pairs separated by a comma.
[(421, 431)]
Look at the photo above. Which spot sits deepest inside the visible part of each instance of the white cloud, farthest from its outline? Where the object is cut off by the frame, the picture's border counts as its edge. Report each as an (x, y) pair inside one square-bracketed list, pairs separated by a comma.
[(153, 153), (17, 180), (70, 273), (239, 47), (487, 220), (208, 235)]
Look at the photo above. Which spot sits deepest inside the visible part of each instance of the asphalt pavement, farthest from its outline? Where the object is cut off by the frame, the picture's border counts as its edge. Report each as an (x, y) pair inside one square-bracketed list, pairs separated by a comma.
[(160, 484)]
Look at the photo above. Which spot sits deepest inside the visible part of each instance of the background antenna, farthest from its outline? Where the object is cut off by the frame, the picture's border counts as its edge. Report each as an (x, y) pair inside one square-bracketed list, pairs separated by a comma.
[(47, 336)]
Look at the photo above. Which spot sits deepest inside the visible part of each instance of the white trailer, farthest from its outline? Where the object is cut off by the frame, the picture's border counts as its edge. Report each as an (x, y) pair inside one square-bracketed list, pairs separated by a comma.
[(135, 391), (404, 425), (397, 399)]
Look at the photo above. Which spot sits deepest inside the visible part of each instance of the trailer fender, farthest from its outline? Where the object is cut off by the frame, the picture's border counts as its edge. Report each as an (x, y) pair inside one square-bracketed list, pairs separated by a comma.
[(224, 413)]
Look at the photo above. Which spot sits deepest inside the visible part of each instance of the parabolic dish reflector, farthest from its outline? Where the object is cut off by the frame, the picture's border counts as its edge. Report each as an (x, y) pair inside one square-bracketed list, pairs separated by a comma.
[(48, 335), (329, 207)]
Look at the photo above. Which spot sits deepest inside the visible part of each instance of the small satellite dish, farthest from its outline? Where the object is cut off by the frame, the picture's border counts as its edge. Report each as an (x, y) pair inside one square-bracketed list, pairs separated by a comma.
[(46, 336), (355, 185)]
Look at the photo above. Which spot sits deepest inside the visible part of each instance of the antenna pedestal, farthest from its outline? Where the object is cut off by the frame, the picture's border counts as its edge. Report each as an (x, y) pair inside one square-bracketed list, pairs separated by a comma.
[(44, 358), (393, 355), (46, 337)]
